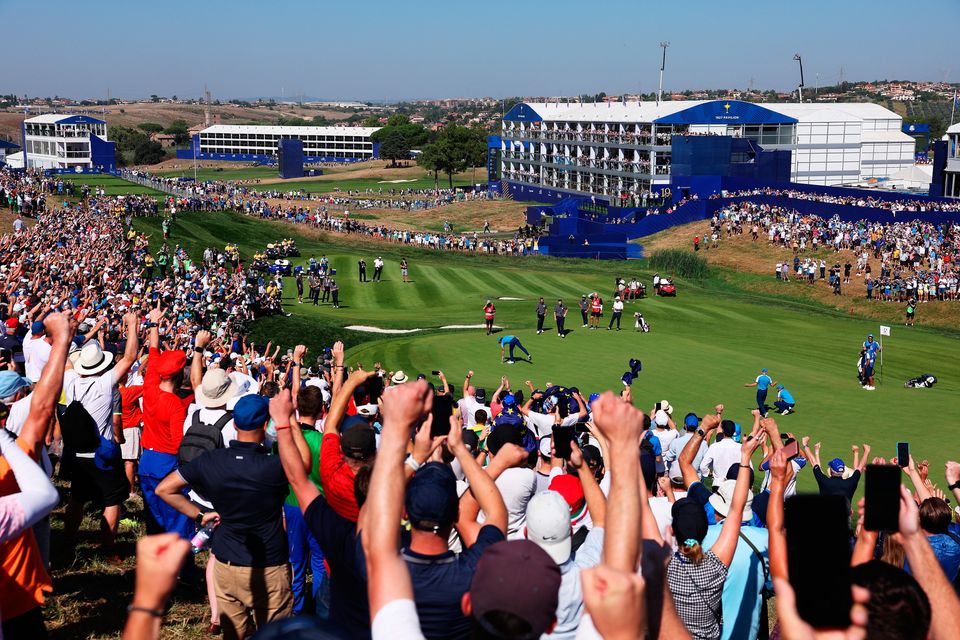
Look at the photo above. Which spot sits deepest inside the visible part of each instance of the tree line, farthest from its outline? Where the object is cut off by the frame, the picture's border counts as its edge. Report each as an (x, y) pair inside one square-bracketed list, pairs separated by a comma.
[(450, 150)]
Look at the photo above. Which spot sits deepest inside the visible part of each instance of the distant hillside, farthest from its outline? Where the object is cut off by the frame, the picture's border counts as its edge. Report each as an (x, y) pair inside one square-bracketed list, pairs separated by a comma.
[(131, 115)]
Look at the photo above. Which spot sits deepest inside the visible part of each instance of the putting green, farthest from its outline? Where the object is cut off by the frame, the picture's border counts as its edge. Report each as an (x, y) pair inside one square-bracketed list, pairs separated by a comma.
[(704, 344)]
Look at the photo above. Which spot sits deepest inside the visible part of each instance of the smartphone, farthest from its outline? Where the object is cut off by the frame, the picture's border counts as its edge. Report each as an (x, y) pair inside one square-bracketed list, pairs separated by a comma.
[(903, 454), (791, 449), (435, 372), (818, 545), (657, 408), (881, 493), (562, 436), (442, 410), (375, 388)]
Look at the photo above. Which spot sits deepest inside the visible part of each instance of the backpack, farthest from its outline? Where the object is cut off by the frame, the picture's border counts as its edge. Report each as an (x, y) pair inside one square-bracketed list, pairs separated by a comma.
[(78, 428), (201, 437)]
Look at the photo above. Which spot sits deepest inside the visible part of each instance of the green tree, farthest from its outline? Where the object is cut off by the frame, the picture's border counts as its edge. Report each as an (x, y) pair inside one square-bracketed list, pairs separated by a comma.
[(154, 97), (150, 127), (394, 148), (429, 159), (178, 129), (148, 152), (398, 120)]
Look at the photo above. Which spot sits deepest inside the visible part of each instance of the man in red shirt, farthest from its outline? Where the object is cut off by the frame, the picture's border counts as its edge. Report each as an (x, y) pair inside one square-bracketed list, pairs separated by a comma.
[(163, 418), (345, 451), (596, 310), (488, 312)]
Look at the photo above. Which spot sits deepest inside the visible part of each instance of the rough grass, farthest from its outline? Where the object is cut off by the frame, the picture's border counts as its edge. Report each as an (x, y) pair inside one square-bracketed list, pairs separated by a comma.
[(681, 263)]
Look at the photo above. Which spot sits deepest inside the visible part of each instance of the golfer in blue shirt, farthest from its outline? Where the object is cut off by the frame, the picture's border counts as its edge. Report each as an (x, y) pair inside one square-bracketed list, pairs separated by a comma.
[(512, 342), (762, 382), (871, 345), (785, 402)]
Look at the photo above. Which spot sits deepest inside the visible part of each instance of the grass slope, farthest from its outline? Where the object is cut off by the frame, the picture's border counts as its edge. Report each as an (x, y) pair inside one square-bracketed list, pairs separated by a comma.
[(112, 185), (705, 344)]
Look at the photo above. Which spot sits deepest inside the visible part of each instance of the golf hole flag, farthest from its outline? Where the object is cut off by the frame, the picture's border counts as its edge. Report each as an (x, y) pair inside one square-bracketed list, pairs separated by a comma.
[(884, 330)]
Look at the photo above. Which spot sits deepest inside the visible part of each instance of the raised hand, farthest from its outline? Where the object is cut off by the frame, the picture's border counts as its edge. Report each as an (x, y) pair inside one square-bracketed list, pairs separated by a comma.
[(281, 408), (337, 352), (511, 455), (202, 339), (299, 352), (159, 559), (405, 405), (952, 471)]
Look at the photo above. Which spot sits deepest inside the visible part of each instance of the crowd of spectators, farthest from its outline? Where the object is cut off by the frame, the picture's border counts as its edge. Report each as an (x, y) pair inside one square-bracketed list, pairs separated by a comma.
[(900, 261)]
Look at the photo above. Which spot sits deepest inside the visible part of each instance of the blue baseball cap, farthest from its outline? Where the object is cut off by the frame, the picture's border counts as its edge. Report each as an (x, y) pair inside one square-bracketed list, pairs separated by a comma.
[(691, 421), (837, 466), (431, 499), (869, 335), (36, 327), (11, 382), (509, 400), (251, 412), (763, 369), (593, 398), (349, 422), (779, 386)]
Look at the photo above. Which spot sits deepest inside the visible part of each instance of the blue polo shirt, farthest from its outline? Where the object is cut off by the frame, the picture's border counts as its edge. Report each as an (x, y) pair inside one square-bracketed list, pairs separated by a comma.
[(786, 396), (439, 583), (763, 381), (871, 347), (247, 487), (342, 548)]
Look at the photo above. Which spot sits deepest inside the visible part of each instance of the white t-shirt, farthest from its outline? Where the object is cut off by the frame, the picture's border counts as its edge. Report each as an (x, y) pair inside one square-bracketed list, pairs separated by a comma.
[(721, 456), (95, 393), (517, 486), (468, 409), (618, 305), (17, 417), (543, 424), (35, 356), (665, 436), (228, 433)]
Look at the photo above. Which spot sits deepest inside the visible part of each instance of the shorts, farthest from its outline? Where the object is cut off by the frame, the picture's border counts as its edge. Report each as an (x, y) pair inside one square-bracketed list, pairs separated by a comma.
[(595, 314), (131, 449), (403, 272), (102, 488), (867, 372)]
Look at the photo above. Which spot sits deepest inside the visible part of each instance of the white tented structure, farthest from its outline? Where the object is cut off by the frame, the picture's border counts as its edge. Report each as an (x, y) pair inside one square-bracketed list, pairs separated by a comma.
[(615, 148), (256, 142)]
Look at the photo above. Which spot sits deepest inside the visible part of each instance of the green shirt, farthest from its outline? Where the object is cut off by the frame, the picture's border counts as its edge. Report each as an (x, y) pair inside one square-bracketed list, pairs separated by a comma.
[(313, 438)]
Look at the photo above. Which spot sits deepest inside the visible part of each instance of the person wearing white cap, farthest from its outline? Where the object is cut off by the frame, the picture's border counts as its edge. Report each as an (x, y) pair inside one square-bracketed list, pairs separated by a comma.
[(98, 475), (548, 525)]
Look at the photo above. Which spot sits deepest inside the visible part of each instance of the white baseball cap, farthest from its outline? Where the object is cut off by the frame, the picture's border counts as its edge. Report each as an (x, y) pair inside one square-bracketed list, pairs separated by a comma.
[(661, 418), (548, 525)]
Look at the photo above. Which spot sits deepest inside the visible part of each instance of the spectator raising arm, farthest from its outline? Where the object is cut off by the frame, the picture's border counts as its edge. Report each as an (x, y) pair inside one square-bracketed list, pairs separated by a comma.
[(159, 559), (953, 478), (781, 472), (404, 407), (596, 501), (37, 495), (196, 364), (622, 425), (924, 566), (726, 543), (482, 486), (60, 327)]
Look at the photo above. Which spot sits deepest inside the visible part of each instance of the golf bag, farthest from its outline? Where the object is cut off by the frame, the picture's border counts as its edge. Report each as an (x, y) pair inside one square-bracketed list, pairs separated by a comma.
[(640, 324), (923, 381)]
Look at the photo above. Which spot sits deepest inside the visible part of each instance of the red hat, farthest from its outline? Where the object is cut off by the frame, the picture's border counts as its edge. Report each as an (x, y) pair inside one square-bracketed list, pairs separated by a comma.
[(12, 323), (170, 363), (571, 489)]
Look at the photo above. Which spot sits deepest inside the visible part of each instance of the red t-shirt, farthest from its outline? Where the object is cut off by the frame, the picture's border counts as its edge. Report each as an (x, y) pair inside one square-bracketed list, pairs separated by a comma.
[(131, 415), (163, 413), (488, 312), (337, 478)]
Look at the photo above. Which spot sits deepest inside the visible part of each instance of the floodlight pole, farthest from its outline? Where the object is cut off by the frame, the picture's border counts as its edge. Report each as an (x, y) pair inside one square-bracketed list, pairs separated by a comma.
[(663, 65), (797, 57)]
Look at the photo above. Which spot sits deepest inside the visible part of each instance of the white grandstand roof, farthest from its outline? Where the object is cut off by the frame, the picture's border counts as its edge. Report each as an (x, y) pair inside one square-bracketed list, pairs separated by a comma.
[(885, 136), (954, 129), (53, 118), (305, 131), (650, 111), (611, 111)]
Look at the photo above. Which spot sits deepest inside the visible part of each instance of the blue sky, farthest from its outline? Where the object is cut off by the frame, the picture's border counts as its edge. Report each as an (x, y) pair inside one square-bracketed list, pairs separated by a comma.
[(380, 49)]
